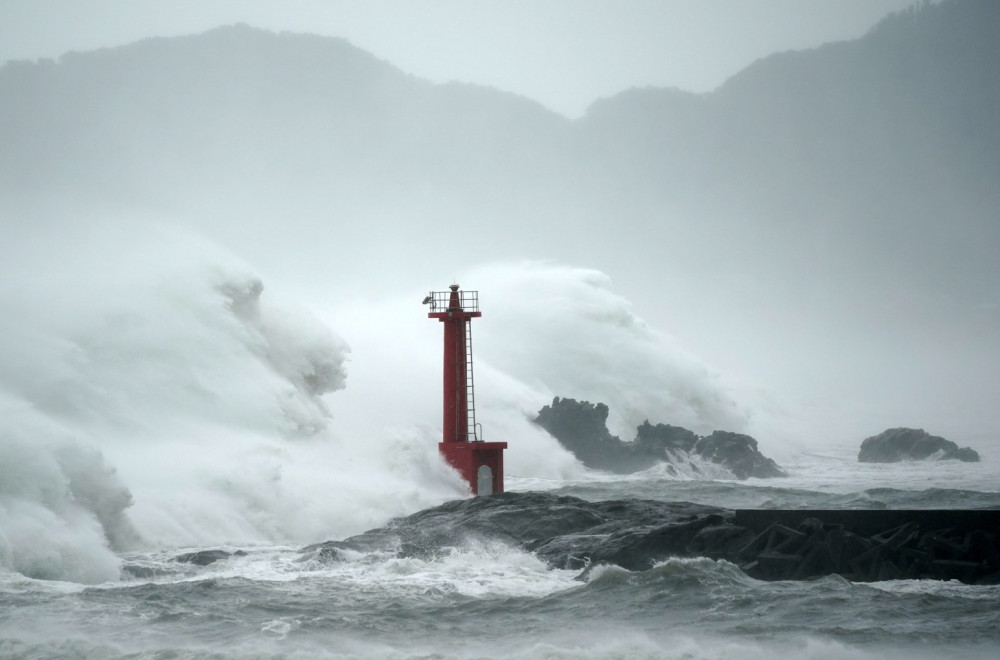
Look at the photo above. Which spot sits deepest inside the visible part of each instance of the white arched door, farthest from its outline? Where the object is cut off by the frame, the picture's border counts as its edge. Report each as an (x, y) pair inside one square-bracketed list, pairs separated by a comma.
[(484, 480)]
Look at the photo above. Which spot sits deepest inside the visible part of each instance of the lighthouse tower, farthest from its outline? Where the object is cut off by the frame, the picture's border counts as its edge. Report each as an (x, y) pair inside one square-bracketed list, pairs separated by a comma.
[(480, 463)]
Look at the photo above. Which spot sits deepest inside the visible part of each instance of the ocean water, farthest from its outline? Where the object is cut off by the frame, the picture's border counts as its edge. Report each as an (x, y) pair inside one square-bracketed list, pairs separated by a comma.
[(483, 599), (162, 400)]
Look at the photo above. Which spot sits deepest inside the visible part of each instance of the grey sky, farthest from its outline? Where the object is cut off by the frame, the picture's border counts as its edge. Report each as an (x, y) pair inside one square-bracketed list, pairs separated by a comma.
[(562, 53)]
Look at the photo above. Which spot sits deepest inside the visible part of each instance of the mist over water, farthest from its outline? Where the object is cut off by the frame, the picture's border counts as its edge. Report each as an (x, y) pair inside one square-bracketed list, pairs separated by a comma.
[(212, 255), (157, 392), (568, 330), (835, 270)]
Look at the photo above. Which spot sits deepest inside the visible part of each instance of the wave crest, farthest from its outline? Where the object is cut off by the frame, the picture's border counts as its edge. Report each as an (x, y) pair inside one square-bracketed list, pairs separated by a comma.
[(62, 506)]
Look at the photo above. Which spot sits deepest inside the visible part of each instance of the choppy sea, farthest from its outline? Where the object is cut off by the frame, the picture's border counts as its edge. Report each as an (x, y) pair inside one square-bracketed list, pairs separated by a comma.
[(488, 600)]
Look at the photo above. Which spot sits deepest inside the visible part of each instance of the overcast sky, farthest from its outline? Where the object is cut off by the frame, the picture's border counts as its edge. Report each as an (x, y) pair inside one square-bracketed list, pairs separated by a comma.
[(562, 53)]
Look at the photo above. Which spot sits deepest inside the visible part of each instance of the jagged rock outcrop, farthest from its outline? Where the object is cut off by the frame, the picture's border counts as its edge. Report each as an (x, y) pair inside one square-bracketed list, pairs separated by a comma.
[(659, 439), (570, 533), (903, 444), (581, 427), (738, 453)]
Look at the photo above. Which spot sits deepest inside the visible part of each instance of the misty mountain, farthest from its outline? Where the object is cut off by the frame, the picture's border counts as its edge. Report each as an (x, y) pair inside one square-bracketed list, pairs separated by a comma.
[(889, 140), (239, 108), (858, 148), (844, 191)]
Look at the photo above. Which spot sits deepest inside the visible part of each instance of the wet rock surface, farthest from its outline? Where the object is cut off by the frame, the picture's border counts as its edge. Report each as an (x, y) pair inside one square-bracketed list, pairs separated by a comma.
[(581, 427), (569, 533), (566, 532), (206, 557), (903, 444), (738, 453)]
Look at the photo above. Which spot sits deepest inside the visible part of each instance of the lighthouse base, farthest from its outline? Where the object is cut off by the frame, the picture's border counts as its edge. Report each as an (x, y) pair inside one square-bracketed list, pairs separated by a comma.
[(479, 463)]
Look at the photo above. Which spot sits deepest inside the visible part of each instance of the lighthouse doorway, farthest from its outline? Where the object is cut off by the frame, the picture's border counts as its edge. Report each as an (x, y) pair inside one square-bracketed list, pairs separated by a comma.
[(484, 480)]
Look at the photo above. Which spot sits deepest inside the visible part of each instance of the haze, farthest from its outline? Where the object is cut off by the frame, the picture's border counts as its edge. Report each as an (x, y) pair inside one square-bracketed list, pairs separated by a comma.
[(663, 206), (564, 54)]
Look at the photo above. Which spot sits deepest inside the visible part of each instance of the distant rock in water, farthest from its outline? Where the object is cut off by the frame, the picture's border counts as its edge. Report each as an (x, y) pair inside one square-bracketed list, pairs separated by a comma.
[(581, 427), (902, 444), (738, 453), (206, 557)]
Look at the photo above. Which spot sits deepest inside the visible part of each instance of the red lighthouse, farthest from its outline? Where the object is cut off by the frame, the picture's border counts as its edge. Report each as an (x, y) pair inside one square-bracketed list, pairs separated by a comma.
[(480, 463)]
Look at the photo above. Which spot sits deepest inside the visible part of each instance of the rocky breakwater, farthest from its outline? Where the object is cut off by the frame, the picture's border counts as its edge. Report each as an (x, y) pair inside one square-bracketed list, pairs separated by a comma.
[(570, 533), (902, 444), (581, 427), (873, 544)]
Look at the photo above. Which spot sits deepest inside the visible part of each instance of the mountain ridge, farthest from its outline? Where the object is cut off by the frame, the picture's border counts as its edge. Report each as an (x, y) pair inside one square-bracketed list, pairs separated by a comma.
[(843, 191)]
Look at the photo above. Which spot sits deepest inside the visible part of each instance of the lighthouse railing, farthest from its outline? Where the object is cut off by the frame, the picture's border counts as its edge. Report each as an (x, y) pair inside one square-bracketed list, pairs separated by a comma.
[(440, 301)]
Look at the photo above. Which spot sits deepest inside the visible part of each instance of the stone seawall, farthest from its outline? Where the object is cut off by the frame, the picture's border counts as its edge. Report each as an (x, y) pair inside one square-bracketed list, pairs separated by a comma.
[(867, 545)]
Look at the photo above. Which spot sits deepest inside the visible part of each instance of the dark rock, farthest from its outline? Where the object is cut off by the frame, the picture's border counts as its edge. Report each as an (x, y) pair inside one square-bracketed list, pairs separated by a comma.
[(662, 438), (965, 454), (206, 557), (640, 548), (569, 533), (581, 427), (902, 444), (564, 531), (719, 540), (738, 453)]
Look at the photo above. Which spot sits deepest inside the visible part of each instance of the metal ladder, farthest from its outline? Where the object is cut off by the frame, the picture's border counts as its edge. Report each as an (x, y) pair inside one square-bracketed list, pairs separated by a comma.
[(470, 386)]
